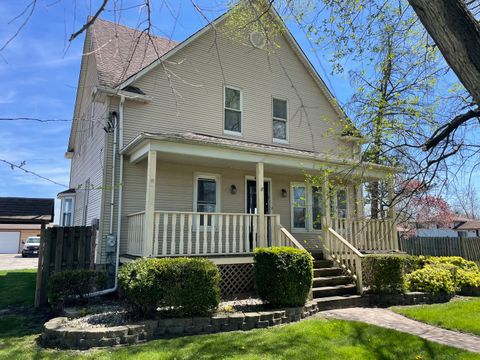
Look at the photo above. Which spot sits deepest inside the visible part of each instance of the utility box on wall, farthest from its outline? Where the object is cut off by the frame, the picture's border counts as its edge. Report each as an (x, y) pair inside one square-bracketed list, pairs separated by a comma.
[(111, 243)]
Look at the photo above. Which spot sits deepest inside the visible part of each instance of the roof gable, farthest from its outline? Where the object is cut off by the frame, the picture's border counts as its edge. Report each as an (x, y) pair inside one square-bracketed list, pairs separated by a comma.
[(210, 27), (121, 52)]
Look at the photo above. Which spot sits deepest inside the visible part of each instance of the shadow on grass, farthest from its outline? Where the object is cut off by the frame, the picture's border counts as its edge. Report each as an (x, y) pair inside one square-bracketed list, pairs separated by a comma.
[(17, 288)]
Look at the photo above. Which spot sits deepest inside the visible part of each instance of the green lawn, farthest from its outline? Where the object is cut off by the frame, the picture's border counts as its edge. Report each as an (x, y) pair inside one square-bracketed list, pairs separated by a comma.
[(458, 314), (311, 339), (17, 287)]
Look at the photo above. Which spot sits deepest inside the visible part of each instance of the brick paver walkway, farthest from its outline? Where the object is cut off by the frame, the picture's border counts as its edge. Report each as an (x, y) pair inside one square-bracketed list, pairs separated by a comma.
[(388, 319)]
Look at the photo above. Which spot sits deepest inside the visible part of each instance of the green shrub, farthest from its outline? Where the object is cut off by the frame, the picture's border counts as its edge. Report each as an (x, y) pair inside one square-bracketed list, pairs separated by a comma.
[(70, 284), (283, 275), (139, 284), (456, 261), (187, 287), (384, 274), (431, 279), (412, 263), (466, 278)]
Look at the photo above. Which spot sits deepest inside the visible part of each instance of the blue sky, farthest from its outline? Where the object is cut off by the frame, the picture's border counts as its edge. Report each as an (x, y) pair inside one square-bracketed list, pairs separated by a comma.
[(39, 75)]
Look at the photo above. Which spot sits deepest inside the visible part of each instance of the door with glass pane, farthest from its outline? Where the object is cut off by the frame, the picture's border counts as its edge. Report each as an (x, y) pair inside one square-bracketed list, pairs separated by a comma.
[(252, 207)]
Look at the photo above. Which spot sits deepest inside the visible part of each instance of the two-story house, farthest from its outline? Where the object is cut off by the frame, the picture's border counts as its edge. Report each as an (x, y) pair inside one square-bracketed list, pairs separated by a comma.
[(200, 148)]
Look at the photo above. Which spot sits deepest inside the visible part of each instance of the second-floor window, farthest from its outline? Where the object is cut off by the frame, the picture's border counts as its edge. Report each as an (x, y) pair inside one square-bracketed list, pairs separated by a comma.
[(280, 120), (233, 111)]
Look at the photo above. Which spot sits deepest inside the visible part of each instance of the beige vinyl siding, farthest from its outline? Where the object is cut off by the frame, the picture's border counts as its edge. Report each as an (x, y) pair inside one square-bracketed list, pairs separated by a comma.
[(175, 188), (87, 162), (199, 84)]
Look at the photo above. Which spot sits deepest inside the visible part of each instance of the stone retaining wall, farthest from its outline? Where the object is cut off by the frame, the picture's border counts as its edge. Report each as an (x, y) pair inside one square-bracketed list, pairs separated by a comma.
[(411, 298), (57, 333)]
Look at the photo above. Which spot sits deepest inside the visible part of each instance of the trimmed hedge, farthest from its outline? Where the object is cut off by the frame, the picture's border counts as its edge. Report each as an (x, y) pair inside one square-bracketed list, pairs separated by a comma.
[(283, 275), (70, 284), (384, 274), (184, 286)]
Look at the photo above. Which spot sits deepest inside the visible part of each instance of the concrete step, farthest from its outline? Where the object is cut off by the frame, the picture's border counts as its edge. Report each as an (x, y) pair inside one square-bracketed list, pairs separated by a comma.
[(341, 302), (319, 264), (317, 255), (333, 271), (331, 280), (324, 291)]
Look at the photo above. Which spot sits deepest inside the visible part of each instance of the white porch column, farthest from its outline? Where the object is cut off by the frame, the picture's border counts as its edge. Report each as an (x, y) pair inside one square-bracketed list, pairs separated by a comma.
[(150, 203), (261, 241), (392, 214), (326, 215)]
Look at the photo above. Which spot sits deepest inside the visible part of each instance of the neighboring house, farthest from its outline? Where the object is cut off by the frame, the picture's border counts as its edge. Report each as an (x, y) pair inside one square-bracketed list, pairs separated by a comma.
[(21, 218), (457, 227), (178, 155)]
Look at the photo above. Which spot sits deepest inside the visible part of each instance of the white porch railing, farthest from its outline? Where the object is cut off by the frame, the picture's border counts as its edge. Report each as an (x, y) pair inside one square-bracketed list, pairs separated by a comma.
[(135, 234), (180, 233), (368, 235), (345, 255)]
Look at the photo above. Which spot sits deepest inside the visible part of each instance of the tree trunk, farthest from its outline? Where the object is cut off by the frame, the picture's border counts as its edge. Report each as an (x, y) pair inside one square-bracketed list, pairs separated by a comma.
[(457, 35)]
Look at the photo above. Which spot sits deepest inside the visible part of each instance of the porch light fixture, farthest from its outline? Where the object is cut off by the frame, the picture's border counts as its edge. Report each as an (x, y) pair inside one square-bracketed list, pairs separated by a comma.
[(284, 193), (233, 189)]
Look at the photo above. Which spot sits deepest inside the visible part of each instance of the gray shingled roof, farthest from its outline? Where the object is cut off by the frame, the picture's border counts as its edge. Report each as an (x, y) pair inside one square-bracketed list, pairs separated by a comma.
[(121, 52), (26, 210)]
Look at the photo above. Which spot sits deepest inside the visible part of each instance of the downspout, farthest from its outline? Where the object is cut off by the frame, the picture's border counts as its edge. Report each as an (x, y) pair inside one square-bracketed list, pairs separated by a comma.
[(119, 125), (114, 158)]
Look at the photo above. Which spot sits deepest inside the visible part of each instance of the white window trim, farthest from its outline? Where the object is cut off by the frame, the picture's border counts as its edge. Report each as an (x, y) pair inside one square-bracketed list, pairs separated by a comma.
[(218, 190), (292, 198), (229, 132), (62, 209), (287, 132), (309, 207), (210, 176), (335, 201)]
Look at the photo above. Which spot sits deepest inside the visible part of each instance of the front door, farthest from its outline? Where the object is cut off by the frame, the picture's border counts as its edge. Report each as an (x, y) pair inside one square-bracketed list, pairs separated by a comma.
[(252, 206)]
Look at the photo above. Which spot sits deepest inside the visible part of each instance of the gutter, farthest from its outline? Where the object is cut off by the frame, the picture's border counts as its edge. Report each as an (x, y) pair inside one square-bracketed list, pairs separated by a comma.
[(119, 126)]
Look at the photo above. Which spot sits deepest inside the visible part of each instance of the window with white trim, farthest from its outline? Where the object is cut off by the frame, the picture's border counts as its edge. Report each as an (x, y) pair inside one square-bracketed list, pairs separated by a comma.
[(66, 216), (307, 206), (341, 207), (299, 206), (317, 208), (206, 195), (232, 101), (279, 110)]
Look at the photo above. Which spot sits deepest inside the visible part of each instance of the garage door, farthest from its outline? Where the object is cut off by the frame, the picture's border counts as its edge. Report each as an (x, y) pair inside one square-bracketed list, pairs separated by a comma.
[(9, 242)]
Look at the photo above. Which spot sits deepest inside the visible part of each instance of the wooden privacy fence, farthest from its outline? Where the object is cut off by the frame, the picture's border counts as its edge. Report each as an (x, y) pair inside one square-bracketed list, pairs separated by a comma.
[(63, 248), (466, 247)]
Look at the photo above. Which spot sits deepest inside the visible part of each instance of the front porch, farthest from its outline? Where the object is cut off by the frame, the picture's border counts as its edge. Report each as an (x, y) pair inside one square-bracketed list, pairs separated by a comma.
[(178, 233), (258, 189)]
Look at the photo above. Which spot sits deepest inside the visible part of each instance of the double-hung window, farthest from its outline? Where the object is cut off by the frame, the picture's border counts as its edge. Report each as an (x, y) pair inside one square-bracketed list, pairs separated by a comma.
[(67, 212), (280, 132), (317, 208), (340, 206), (233, 111), (299, 206), (307, 206), (207, 197)]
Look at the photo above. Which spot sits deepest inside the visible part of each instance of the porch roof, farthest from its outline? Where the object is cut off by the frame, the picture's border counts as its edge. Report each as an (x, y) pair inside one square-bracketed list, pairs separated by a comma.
[(195, 144)]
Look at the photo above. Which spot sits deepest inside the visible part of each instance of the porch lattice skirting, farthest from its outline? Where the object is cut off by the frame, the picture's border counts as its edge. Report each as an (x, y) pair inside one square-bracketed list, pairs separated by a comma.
[(236, 279)]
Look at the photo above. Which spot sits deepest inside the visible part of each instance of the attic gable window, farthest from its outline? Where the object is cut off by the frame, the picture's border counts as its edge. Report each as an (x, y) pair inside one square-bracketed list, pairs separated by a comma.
[(279, 110), (232, 111)]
